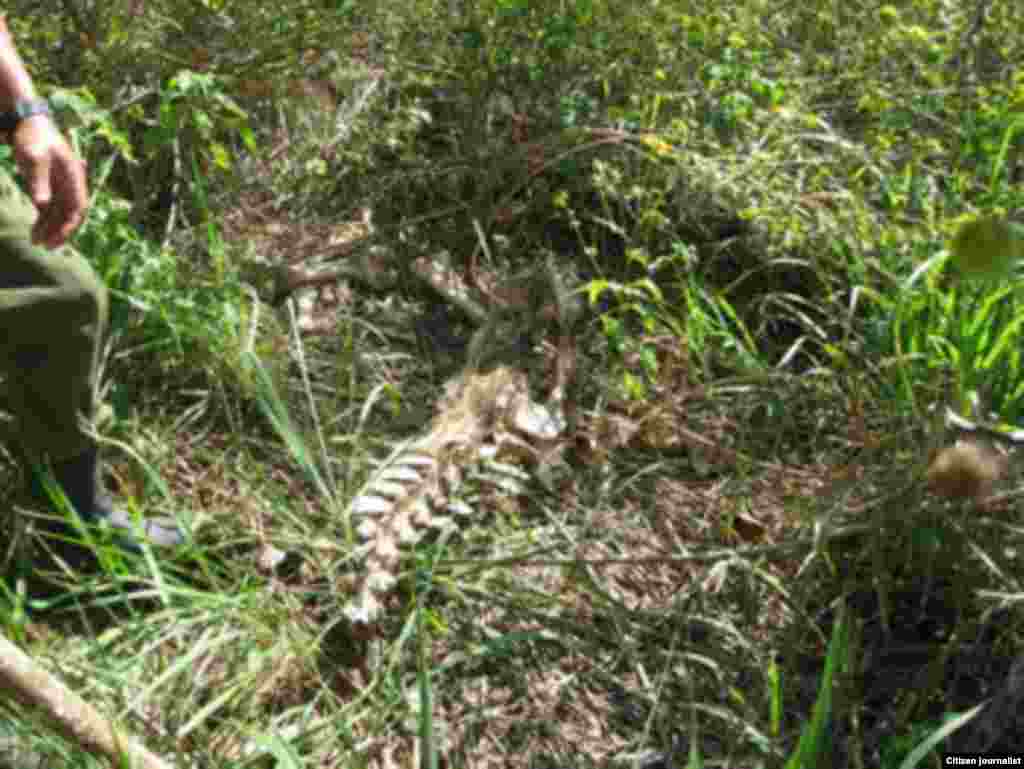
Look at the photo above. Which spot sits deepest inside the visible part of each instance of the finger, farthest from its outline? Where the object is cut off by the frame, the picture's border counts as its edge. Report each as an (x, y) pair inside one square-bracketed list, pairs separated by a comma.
[(38, 181), (74, 189), (48, 225), (68, 227), (54, 226), (67, 207), (45, 229)]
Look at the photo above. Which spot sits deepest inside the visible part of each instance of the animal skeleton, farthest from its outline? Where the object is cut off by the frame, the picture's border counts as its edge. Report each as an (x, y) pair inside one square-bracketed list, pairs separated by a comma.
[(485, 411)]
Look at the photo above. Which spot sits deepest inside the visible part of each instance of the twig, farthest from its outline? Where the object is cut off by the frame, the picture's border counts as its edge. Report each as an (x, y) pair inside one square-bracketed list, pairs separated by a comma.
[(172, 213)]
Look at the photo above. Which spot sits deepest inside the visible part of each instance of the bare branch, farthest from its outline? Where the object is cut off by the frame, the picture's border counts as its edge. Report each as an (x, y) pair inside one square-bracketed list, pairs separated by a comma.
[(24, 680)]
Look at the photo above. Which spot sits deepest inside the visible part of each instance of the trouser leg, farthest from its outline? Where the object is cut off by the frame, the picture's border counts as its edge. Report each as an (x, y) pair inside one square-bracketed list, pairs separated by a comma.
[(53, 313), (52, 319)]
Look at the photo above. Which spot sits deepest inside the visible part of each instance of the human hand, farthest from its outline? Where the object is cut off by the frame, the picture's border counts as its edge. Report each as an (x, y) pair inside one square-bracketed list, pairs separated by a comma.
[(55, 179)]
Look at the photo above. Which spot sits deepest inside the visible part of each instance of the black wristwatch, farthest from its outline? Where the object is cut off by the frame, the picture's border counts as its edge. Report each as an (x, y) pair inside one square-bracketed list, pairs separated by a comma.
[(22, 109)]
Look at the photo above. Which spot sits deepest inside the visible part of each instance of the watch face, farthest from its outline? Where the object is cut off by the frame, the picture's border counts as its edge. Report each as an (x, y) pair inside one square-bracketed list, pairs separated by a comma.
[(26, 109)]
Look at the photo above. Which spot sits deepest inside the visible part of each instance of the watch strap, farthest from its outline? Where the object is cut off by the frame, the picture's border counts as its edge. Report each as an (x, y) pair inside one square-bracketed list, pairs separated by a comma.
[(23, 109)]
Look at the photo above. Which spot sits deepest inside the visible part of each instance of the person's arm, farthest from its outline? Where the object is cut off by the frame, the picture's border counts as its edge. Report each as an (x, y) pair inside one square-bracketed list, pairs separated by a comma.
[(55, 178), (15, 82)]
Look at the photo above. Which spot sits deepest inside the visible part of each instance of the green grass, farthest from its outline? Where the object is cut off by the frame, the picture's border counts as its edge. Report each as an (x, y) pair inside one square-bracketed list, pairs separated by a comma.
[(753, 202)]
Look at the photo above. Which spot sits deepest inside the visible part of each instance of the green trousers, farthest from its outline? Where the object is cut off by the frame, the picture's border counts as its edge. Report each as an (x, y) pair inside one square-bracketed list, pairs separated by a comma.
[(53, 313)]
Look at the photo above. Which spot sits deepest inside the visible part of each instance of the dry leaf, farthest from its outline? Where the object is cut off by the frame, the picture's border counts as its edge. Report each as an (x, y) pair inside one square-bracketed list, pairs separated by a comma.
[(965, 471)]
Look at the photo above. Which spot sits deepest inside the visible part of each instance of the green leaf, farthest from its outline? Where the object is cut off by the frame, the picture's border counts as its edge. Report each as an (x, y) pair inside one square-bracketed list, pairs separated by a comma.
[(221, 156), (248, 138), (595, 288)]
